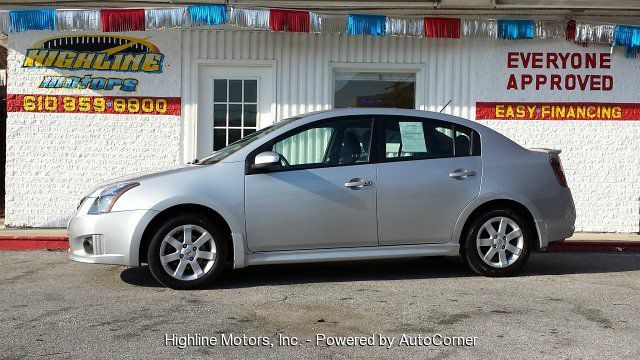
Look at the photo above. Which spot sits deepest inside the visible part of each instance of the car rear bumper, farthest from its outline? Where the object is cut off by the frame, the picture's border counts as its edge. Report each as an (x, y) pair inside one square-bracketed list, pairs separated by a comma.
[(558, 217), (111, 238)]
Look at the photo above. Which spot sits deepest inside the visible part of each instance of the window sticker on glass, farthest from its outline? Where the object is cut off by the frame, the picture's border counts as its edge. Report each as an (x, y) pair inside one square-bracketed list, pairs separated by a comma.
[(412, 137)]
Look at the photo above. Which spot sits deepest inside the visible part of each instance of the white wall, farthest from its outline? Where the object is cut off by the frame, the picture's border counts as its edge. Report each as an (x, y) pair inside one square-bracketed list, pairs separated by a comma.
[(601, 159), (54, 159)]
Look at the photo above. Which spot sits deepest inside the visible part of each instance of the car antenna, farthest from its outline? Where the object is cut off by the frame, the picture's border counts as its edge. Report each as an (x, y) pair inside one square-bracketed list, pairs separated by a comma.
[(445, 105)]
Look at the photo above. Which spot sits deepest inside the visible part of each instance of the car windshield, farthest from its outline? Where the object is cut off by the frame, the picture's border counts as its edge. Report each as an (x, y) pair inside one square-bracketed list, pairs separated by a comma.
[(216, 156)]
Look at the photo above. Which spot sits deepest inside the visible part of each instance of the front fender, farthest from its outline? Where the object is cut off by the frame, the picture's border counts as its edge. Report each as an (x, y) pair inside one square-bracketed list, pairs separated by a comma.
[(234, 220)]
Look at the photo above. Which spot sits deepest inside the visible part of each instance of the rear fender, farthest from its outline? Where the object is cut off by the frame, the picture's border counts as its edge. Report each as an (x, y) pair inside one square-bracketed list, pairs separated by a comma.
[(540, 228)]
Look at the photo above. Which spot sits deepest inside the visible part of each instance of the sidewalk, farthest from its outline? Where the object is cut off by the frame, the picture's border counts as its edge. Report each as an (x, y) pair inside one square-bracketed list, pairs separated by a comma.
[(56, 239)]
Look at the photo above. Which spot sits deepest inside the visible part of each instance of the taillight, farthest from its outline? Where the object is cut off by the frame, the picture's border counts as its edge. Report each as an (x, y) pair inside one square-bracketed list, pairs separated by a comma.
[(556, 165)]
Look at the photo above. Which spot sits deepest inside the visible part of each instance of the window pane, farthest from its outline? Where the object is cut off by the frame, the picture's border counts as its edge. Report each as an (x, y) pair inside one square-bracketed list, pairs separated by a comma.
[(235, 115), (219, 115), (250, 90), (246, 132), (219, 90), (307, 147), (234, 135), (219, 139), (355, 144), (417, 139), (250, 115), (374, 89), (235, 90), (341, 142), (464, 138)]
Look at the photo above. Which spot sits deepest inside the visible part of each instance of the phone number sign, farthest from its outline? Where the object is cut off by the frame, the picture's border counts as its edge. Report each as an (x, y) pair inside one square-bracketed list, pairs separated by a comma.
[(126, 105)]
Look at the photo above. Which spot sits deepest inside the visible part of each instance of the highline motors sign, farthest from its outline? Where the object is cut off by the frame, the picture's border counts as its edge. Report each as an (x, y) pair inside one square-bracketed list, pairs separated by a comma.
[(98, 73)]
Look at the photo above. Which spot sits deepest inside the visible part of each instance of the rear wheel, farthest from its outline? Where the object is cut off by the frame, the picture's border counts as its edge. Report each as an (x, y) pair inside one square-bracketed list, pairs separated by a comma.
[(187, 252), (498, 243)]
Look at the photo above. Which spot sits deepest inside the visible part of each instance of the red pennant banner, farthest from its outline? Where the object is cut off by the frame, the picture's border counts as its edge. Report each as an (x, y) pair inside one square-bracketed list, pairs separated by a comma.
[(289, 20), (122, 20), (442, 27), (570, 33)]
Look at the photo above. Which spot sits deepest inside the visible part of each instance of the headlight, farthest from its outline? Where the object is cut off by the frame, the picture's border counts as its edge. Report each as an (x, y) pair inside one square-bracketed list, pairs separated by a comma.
[(104, 202)]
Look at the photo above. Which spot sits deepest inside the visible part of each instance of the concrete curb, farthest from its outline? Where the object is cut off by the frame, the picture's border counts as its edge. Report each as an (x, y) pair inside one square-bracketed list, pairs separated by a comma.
[(36, 242)]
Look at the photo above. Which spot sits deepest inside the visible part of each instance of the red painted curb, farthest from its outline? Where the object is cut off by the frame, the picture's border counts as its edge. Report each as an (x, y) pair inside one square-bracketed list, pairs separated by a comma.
[(19, 242), (583, 246)]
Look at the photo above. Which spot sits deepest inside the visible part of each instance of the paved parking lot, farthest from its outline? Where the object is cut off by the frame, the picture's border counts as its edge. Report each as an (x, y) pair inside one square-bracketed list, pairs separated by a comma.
[(565, 305)]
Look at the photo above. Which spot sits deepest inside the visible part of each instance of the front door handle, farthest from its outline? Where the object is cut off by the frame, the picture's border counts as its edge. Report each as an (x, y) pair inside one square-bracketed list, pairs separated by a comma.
[(461, 174), (357, 183)]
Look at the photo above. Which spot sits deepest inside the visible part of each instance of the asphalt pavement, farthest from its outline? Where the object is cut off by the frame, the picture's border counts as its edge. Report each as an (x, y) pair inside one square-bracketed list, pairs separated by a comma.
[(564, 305)]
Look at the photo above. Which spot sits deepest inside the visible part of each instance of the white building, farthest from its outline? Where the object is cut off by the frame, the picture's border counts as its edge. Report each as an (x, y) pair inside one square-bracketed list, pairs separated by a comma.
[(211, 86)]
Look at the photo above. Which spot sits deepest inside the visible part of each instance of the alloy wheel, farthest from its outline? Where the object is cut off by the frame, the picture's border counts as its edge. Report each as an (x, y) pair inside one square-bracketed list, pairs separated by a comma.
[(500, 242), (187, 252)]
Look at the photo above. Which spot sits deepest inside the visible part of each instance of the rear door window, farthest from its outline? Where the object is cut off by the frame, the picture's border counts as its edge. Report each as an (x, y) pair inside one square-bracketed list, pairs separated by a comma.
[(406, 138), (414, 138)]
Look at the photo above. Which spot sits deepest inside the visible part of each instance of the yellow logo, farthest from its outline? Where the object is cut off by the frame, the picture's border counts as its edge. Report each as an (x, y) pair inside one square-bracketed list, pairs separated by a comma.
[(95, 52)]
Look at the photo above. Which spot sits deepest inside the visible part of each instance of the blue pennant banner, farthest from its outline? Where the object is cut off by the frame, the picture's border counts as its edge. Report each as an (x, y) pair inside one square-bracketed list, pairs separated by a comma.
[(203, 15), (515, 29), (23, 20), (366, 24), (628, 36)]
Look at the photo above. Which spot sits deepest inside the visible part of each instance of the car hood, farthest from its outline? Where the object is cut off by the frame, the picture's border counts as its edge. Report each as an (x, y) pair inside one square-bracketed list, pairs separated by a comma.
[(140, 176)]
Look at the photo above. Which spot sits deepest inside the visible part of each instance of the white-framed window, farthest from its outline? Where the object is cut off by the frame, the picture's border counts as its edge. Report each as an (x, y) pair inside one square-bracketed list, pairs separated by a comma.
[(374, 89), (399, 85), (235, 103)]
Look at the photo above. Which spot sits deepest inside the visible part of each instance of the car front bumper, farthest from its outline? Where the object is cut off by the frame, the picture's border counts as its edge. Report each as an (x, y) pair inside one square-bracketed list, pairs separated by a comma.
[(110, 238)]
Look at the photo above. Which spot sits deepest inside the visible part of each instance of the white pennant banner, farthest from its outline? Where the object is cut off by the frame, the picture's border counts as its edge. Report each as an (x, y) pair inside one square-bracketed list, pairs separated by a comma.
[(324, 23), (479, 28), (165, 18), (550, 29), (5, 22), (249, 18), (70, 20), (405, 27), (594, 33)]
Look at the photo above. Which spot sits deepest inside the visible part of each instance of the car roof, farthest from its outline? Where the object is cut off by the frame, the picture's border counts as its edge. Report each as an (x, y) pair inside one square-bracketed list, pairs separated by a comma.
[(323, 114), (380, 111)]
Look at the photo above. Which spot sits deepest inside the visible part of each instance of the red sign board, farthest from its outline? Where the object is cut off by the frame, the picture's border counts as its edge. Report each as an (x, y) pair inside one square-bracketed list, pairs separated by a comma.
[(126, 105), (557, 111)]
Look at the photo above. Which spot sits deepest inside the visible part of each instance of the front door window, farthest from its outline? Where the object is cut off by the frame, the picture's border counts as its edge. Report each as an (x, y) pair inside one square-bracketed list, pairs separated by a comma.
[(340, 142)]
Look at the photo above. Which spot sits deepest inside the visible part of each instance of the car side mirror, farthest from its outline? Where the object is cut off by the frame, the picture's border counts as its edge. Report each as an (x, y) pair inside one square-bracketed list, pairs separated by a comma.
[(265, 160)]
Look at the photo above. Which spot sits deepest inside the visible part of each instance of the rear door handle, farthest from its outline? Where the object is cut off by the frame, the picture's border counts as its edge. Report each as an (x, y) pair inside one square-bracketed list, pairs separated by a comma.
[(461, 174), (357, 183)]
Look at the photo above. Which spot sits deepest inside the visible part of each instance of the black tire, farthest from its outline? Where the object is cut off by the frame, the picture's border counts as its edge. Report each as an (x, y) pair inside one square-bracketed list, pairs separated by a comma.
[(220, 238), (473, 258)]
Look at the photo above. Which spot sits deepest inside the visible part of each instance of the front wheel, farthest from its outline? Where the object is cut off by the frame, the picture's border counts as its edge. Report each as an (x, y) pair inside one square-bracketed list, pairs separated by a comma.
[(187, 252), (498, 243)]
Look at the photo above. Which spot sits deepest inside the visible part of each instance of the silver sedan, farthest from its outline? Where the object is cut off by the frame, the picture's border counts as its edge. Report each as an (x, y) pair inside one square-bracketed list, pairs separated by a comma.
[(329, 186)]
